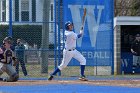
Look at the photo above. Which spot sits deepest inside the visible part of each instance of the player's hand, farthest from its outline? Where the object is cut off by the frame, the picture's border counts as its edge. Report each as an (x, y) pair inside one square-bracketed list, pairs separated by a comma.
[(134, 52), (15, 62), (81, 31), (82, 28)]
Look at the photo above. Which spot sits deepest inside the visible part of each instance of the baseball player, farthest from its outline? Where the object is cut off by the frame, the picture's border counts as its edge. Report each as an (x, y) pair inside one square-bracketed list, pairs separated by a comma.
[(6, 59), (70, 52)]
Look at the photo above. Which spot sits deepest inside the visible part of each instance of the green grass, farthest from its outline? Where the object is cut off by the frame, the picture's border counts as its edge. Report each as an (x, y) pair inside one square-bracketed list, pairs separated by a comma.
[(34, 70)]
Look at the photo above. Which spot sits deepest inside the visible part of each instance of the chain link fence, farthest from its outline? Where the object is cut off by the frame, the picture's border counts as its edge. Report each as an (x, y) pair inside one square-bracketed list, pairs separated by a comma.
[(40, 27), (43, 46), (29, 24)]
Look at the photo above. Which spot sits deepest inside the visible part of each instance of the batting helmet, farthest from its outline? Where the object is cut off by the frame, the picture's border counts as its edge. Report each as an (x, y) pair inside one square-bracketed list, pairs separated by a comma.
[(8, 39), (67, 25)]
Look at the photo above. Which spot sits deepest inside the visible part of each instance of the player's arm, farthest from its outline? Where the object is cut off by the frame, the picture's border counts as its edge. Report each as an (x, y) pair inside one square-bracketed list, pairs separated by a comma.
[(13, 56), (132, 48), (133, 51), (1, 51), (15, 60)]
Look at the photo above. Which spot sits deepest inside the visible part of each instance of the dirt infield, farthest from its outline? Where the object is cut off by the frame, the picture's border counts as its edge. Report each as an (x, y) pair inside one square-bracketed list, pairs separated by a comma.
[(124, 83)]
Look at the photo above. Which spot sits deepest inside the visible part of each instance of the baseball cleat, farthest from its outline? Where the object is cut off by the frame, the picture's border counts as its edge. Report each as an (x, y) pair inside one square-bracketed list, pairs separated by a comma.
[(50, 77), (82, 78)]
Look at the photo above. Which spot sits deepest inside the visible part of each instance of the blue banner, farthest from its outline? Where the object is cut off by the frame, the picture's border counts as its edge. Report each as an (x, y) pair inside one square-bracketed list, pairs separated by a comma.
[(97, 43)]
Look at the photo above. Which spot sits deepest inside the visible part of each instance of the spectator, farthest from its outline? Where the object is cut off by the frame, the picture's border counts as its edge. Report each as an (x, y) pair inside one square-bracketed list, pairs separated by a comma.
[(19, 49), (135, 49)]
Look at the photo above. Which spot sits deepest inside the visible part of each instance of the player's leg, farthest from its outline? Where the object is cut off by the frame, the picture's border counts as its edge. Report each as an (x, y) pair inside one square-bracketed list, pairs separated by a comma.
[(67, 56), (23, 67), (54, 73), (138, 61), (13, 76), (17, 68), (1, 72), (82, 61), (135, 58), (2, 69)]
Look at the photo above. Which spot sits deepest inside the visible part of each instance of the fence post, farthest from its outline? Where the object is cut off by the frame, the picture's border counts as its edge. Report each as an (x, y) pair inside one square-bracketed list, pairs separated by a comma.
[(10, 18), (45, 36)]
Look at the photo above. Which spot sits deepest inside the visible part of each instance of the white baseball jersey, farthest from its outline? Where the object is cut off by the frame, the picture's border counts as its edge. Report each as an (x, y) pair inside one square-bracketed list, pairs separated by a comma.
[(70, 52), (70, 40)]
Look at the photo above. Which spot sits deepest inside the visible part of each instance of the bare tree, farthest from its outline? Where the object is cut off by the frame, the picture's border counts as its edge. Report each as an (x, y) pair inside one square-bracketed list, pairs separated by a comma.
[(127, 7), (135, 11)]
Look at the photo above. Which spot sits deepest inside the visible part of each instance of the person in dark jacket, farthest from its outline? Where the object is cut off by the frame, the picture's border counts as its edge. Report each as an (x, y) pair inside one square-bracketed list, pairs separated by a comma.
[(19, 49), (135, 49)]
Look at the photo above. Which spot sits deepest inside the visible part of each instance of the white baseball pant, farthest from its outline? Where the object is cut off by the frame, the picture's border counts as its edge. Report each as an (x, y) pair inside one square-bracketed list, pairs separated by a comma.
[(68, 55)]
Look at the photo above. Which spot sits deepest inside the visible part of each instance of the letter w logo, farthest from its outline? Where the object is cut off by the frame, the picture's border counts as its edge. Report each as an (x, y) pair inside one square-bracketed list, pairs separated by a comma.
[(92, 21)]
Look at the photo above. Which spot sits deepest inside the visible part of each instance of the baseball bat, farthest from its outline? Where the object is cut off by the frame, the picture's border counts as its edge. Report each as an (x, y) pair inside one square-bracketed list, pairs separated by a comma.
[(84, 15)]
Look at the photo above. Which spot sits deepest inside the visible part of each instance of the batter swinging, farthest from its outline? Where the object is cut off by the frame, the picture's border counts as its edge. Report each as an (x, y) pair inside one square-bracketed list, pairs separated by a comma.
[(70, 52)]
